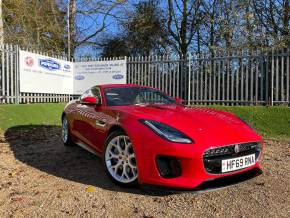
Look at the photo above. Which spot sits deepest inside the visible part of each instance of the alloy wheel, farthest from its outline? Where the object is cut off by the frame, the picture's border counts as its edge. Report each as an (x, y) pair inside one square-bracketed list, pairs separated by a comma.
[(120, 159), (64, 130)]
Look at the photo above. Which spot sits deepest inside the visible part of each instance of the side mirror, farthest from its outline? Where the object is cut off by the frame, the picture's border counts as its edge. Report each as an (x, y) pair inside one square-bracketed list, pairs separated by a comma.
[(90, 100), (178, 100)]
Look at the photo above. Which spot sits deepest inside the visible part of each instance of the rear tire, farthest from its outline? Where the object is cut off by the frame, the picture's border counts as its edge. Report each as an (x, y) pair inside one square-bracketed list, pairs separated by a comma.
[(119, 160), (66, 135)]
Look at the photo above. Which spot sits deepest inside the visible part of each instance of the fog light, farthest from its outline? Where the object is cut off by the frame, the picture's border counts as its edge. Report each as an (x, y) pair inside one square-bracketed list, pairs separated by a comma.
[(168, 167)]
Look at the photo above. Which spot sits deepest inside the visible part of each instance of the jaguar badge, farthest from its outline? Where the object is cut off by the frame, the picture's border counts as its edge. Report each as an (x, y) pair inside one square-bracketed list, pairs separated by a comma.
[(237, 148)]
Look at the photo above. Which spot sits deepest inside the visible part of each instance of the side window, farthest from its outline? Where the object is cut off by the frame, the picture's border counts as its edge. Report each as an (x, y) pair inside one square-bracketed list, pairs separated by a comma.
[(86, 94), (96, 92)]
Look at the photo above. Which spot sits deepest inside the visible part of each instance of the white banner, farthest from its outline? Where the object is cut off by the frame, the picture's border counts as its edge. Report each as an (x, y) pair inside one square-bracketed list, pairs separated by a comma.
[(43, 74), (88, 74)]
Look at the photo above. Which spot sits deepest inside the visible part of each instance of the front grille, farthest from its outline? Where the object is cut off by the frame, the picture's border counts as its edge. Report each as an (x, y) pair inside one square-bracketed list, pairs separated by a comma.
[(212, 158)]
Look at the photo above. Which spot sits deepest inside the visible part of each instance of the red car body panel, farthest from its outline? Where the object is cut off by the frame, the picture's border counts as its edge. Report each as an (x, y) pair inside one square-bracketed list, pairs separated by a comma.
[(208, 128)]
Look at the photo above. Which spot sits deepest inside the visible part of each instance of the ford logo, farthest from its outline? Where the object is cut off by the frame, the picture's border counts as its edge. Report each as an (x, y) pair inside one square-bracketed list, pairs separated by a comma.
[(66, 66), (118, 76), (79, 77), (49, 64)]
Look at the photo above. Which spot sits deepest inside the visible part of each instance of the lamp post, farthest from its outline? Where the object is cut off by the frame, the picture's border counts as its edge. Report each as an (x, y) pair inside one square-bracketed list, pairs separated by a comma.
[(68, 30)]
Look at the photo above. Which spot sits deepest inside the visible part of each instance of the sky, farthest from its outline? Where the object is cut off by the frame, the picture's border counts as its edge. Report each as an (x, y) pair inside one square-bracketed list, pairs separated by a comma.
[(87, 25)]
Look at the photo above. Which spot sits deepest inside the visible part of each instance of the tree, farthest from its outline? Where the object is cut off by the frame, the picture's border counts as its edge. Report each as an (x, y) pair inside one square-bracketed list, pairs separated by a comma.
[(229, 23), (210, 28), (34, 24), (98, 12), (144, 29), (274, 17), (87, 20), (183, 18), (1, 25), (143, 32), (115, 47), (55, 25), (71, 34)]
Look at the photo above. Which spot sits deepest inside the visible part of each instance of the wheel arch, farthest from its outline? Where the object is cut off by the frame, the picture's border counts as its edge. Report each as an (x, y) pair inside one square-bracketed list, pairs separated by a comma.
[(115, 128)]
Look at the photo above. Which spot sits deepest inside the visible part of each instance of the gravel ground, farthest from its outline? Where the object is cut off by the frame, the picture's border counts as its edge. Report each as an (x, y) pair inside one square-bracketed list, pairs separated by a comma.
[(39, 177)]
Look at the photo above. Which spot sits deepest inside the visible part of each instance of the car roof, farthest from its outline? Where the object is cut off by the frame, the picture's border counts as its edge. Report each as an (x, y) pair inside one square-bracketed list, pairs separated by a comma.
[(121, 85)]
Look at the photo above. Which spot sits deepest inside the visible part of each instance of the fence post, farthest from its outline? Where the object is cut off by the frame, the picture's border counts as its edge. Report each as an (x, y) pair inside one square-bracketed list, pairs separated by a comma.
[(189, 80), (17, 74), (272, 78), (127, 78)]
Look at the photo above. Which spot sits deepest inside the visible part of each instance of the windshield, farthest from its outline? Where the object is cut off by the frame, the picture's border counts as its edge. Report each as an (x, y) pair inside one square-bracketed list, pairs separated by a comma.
[(135, 96)]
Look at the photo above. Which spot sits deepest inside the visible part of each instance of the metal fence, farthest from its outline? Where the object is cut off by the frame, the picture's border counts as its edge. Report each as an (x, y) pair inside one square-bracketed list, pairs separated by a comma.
[(163, 72), (236, 78)]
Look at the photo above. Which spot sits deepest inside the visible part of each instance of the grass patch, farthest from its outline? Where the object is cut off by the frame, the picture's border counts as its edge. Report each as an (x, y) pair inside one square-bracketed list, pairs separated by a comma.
[(271, 122), (30, 114)]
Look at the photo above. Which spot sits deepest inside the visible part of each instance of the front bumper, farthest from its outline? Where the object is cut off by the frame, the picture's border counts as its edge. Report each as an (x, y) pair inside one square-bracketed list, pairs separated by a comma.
[(190, 157)]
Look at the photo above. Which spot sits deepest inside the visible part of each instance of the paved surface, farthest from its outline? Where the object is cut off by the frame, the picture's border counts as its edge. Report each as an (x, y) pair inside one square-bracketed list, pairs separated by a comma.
[(39, 177)]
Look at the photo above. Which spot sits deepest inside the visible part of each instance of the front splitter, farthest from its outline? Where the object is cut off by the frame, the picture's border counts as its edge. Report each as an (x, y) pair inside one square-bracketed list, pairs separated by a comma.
[(211, 185)]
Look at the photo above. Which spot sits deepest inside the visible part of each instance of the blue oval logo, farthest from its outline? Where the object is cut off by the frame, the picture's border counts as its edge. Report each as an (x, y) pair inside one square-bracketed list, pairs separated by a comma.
[(118, 76), (66, 66), (49, 64), (79, 77)]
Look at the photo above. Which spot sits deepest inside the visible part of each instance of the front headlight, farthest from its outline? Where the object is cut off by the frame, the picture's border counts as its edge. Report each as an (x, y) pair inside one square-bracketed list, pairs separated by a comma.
[(167, 132)]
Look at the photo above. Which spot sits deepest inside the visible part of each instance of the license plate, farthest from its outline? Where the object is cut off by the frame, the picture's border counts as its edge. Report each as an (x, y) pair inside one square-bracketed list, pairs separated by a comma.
[(238, 163)]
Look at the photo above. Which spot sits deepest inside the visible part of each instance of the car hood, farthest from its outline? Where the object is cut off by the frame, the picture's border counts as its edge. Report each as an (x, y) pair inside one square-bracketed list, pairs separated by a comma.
[(199, 123)]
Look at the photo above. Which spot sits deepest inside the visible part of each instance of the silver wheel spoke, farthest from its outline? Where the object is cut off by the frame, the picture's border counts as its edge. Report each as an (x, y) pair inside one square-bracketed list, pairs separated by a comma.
[(119, 146), (127, 147), (112, 155), (125, 172), (132, 166), (134, 170), (116, 167), (131, 156)]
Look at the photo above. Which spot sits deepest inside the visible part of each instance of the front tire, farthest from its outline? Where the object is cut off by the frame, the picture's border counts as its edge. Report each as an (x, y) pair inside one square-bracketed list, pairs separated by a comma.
[(119, 160), (66, 136)]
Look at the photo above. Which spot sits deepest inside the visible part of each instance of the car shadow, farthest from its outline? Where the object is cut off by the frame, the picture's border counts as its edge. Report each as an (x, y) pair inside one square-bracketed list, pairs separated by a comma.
[(40, 146)]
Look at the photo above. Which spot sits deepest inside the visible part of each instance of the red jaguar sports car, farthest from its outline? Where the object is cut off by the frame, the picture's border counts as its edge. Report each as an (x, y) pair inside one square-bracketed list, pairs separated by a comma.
[(149, 138)]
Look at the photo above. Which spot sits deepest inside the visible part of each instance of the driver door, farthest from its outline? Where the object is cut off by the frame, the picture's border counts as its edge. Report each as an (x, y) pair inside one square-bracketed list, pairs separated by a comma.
[(88, 116)]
